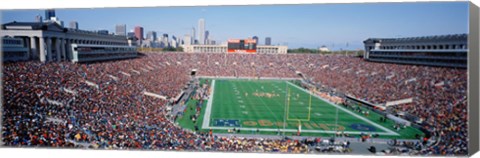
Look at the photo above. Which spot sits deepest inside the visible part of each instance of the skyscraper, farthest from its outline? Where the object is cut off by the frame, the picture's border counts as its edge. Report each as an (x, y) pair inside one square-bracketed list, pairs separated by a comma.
[(192, 40), (174, 42), (201, 31), (152, 35), (165, 42), (187, 40), (256, 39), (268, 41), (139, 32), (74, 25), (206, 37), (49, 13), (121, 30)]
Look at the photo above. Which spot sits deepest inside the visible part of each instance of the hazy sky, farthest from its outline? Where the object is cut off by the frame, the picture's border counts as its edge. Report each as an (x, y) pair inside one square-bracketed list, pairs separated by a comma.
[(309, 26)]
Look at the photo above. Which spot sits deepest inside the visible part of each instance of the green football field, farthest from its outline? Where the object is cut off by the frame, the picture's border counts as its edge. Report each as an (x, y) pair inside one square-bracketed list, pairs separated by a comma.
[(264, 105)]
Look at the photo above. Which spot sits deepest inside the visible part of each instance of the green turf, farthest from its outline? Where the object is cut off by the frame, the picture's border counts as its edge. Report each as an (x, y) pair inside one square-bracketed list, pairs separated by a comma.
[(262, 104)]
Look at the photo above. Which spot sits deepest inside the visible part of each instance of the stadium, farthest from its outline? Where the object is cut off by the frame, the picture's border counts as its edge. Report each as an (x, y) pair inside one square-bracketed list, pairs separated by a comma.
[(104, 104), (75, 89)]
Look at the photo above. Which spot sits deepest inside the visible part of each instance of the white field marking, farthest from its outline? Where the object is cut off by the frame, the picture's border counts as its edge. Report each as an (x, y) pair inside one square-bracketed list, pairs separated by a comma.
[(295, 130), (241, 101), (318, 114), (351, 113), (242, 106), (245, 112), (208, 111)]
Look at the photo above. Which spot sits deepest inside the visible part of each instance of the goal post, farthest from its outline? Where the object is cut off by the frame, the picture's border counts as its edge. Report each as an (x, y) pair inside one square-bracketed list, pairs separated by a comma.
[(289, 104)]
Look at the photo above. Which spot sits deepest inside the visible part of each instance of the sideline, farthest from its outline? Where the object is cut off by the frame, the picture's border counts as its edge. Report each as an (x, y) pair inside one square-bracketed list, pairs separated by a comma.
[(208, 111)]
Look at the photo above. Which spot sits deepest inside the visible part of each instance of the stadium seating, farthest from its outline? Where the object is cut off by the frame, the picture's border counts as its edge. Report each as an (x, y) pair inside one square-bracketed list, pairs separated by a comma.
[(101, 105)]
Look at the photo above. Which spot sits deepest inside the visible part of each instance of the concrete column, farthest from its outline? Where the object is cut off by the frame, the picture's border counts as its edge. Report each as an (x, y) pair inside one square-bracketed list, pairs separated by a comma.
[(49, 49), (29, 52), (57, 49), (41, 42), (33, 47), (69, 49), (62, 47)]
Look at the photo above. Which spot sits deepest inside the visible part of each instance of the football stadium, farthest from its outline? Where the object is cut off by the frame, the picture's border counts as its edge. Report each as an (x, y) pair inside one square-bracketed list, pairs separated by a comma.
[(125, 104), (70, 88)]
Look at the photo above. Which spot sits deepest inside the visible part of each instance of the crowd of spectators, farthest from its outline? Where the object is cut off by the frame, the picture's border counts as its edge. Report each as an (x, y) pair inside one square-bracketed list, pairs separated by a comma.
[(102, 104)]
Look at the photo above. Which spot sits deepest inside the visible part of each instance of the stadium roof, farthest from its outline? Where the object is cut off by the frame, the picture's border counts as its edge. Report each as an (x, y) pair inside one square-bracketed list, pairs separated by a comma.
[(419, 39)]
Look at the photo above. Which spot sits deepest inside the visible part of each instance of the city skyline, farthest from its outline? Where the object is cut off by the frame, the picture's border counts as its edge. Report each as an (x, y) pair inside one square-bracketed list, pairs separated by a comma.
[(309, 26)]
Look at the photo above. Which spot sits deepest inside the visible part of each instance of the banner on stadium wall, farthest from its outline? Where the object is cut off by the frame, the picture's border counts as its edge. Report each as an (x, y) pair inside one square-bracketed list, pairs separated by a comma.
[(398, 102), (154, 95)]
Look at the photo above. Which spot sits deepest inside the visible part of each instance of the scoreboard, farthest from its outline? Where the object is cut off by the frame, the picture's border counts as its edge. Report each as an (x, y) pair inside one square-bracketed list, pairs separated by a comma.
[(242, 46)]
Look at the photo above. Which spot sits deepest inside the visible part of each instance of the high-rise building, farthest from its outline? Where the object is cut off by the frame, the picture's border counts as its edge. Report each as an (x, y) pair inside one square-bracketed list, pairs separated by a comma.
[(152, 35), (201, 31), (165, 42), (121, 30), (174, 42), (139, 32), (207, 39), (50, 17), (193, 36), (187, 40), (49, 13), (131, 35), (268, 41), (74, 25), (256, 39), (38, 19)]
